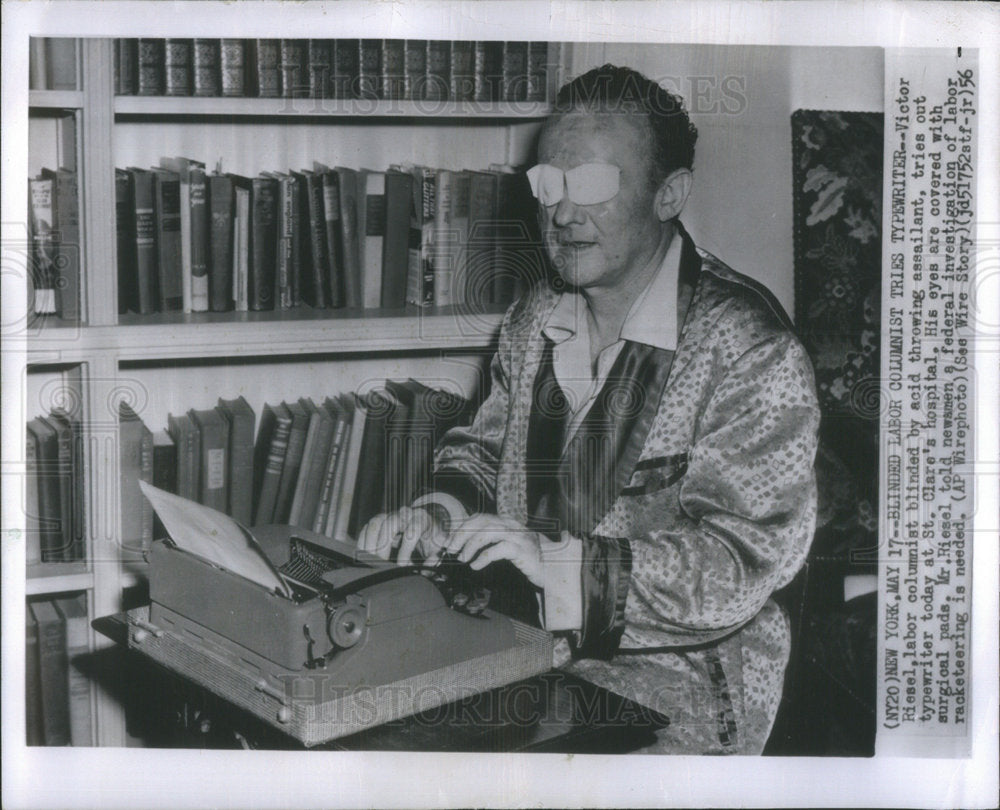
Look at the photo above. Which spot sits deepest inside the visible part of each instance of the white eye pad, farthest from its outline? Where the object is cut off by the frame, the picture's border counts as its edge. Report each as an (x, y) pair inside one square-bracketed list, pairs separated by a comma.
[(586, 184)]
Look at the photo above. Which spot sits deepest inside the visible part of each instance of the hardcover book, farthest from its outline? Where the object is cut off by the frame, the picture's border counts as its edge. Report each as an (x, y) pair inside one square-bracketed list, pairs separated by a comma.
[(73, 612), (240, 420), (350, 192), (315, 278), (370, 68), (373, 226), (269, 458), (267, 63), (178, 65), (70, 424), (220, 268), (144, 220), (314, 456), (438, 75), (185, 435), (128, 281), (293, 460), (207, 78), (135, 449), (49, 509), (294, 68), (233, 67), (415, 70), (395, 249), (213, 465), (152, 78), (53, 674), (463, 71), (67, 266), (393, 68), (167, 217), (346, 55), (263, 242)]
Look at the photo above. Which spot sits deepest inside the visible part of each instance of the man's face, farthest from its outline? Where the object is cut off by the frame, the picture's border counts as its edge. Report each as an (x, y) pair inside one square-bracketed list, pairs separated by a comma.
[(599, 245)]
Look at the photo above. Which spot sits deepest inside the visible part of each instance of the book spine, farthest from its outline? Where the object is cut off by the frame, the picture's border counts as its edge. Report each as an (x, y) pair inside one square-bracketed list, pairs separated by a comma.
[(214, 462), (200, 235), (232, 67), (514, 73), (331, 217), (221, 242), (294, 68), (395, 254), (43, 193), (340, 518), (297, 242), (329, 475), (286, 233), (177, 67), (272, 472), (74, 613), (263, 244), (49, 511), (427, 234), (68, 251), (184, 203), (128, 289), (371, 273), (415, 75), (463, 71), (482, 234), (393, 68), (241, 460), (207, 79), (346, 53), (241, 250), (292, 465), (444, 239), (54, 675), (267, 67), (167, 204), (64, 471), (151, 79), (487, 70), (438, 79), (320, 68), (370, 68), (317, 289), (347, 183), (147, 274), (126, 63), (32, 683), (33, 535), (538, 61)]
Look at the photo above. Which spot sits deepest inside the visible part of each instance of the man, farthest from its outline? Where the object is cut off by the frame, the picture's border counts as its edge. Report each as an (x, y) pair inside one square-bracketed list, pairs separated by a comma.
[(644, 457)]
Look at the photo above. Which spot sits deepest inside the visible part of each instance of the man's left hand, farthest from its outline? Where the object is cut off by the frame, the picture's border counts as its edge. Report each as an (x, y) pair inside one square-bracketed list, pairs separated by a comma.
[(482, 539)]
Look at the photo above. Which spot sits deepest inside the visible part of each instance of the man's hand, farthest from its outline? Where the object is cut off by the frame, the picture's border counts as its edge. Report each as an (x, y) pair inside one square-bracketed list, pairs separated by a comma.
[(481, 539), (409, 529)]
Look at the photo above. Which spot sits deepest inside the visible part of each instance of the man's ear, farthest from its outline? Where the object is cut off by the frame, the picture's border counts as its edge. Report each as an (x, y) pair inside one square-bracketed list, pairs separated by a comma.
[(672, 194)]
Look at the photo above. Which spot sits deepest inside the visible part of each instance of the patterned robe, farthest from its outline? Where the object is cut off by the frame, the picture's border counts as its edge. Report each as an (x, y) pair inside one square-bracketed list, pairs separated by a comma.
[(697, 505)]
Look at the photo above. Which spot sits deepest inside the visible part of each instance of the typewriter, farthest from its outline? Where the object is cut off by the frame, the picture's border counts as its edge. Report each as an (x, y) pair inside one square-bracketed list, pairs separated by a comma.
[(354, 642)]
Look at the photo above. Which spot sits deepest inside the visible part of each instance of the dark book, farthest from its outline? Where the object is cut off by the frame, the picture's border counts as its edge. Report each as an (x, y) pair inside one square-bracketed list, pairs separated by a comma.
[(35, 729), (395, 250), (269, 459), (187, 441), (315, 277), (488, 70), (126, 66), (263, 242), (49, 508), (205, 58), (61, 56), (167, 216), (314, 456), (350, 236), (178, 67), (370, 486), (370, 68), (463, 71), (240, 420), (372, 224), (220, 268), (478, 292), (415, 69), (71, 462), (67, 213), (397, 440), (164, 472), (339, 520), (334, 276), (293, 461), (460, 185), (393, 68), (73, 612), (426, 426), (32, 531), (267, 60), (437, 77), (135, 459), (128, 282), (332, 464), (514, 72), (200, 237), (414, 248), (42, 216), (213, 465), (233, 67), (295, 68), (151, 74), (144, 234), (538, 80), (320, 58), (53, 672), (346, 55)]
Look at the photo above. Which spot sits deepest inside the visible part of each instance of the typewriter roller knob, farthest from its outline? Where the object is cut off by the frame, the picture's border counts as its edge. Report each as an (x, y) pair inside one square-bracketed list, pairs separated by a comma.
[(346, 625)]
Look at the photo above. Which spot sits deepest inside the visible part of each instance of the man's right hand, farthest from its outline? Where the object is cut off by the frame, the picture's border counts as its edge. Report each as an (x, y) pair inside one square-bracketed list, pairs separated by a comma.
[(409, 529)]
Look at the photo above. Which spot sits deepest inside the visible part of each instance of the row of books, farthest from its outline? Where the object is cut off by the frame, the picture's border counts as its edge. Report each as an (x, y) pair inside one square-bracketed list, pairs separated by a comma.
[(54, 244), (54, 499), (196, 241), (327, 467), (52, 63), (414, 69), (57, 692)]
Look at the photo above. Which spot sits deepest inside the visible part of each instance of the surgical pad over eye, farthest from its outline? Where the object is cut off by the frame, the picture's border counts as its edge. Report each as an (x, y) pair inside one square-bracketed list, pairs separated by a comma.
[(587, 184)]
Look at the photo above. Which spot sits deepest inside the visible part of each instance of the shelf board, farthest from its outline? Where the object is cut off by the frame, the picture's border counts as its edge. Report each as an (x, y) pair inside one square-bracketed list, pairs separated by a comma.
[(325, 108), (57, 578), (173, 335), (55, 99)]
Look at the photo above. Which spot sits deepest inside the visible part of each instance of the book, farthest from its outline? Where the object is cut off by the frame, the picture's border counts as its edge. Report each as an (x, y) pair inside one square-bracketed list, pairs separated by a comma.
[(481, 244), (373, 226), (397, 441), (128, 289), (269, 458), (463, 71), (67, 265), (34, 728), (370, 487), (63, 472), (178, 67), (314, 457), (420, 269), (71, 450), (187, 441), (205, 60), (333, 280), (487, 70), (201, 227), (183, 168), (240, 420), (370, 68), (38, 64), (49, 508), (346, 55), (53, 672), (396, 244), (315, 278), (393, 68), (220, 267), (445, 243), (293, 460), (164, 471), (339, 525), (460, 237), (340, 415), (42, 198), (135, 459), (320, 57), (151, 63), (241, 243), (213, 465), (167, 217), (61, 57), (73, 612), (349, 191), (267, 61), (233, 67), (294, 68), (286, 265), (415, 69), (126, 66), (538, 60), (437, 78), (32, 529), (144, 221), (514, 72), (263, 242)]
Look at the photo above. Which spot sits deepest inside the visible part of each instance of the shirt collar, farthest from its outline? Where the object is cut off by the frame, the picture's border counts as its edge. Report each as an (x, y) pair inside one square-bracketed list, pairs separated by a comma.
[(651, 320)]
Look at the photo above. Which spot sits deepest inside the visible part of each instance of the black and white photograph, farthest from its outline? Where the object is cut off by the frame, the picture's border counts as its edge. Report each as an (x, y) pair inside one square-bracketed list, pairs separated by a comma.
[(442, 404)]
